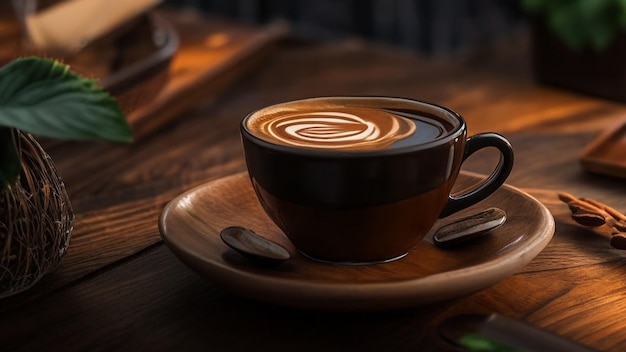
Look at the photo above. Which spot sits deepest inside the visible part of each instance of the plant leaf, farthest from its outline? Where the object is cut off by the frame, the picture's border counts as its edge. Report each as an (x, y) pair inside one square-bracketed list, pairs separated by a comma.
[(581, 24), (533, 5), (45, 98), (10, 165)]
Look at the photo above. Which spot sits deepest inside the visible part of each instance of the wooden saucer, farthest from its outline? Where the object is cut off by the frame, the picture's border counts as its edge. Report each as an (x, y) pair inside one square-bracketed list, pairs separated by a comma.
[(190, 225)]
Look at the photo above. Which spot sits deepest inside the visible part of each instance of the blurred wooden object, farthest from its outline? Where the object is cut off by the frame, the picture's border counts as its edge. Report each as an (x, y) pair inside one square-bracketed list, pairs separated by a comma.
[(47, 28), (158, 67), (131, 61), (606, 154), (212, 55)]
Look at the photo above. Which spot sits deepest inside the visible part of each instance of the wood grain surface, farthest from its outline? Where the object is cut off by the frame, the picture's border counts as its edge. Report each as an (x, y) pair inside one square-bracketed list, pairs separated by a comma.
[(121, 288)]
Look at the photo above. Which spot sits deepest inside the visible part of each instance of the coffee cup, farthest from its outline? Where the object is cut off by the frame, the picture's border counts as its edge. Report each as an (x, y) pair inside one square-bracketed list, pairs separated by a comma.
[(362, 179)]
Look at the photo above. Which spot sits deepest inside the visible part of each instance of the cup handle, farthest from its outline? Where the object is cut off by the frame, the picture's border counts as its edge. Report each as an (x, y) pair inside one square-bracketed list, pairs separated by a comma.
[(493, 182)]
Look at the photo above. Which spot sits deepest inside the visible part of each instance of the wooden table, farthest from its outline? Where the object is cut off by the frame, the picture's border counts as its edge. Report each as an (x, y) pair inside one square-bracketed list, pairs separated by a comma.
[(120, 288)]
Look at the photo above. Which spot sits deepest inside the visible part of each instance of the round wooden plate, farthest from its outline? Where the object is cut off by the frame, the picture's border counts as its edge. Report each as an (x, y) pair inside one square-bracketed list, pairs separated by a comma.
[(190, 225)]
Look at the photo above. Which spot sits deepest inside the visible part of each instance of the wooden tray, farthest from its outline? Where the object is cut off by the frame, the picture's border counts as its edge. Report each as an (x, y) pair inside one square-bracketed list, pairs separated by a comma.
[(171, 60), (212, 55), (606, 154)]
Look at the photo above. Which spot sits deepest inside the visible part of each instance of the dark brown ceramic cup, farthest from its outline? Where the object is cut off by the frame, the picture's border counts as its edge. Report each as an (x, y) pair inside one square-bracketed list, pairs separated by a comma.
[(362, 179)]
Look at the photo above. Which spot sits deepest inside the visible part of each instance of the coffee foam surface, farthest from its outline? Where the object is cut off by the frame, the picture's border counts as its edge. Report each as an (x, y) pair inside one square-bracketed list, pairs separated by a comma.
[(329, 125)]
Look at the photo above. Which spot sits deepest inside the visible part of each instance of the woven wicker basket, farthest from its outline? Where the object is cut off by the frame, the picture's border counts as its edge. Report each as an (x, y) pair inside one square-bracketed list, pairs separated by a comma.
[(36, 220)]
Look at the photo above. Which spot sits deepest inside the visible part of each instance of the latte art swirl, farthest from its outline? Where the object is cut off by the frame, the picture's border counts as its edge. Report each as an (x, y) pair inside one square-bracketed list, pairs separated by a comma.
[(356, 128), (326, 127)]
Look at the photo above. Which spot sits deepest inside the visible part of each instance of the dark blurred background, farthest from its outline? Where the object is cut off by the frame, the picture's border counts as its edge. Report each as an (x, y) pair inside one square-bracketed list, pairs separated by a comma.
[(434, 27)]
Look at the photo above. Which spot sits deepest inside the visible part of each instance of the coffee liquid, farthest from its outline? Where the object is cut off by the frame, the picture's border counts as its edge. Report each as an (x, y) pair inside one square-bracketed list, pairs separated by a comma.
[(344, 128)]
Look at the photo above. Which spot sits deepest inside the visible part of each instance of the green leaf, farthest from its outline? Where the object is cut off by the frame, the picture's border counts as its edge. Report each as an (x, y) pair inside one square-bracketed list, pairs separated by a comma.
[(45, 98), (10, 165), (600, 37), (581, 24), (533, 5), (479, 342)]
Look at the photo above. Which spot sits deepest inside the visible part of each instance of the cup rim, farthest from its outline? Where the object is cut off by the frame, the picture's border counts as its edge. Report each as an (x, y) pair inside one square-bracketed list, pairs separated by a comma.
[(459, 129)]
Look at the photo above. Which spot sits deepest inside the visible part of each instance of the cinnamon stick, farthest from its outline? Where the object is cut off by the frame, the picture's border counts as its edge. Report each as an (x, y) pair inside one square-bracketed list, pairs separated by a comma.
[(592, 213)]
